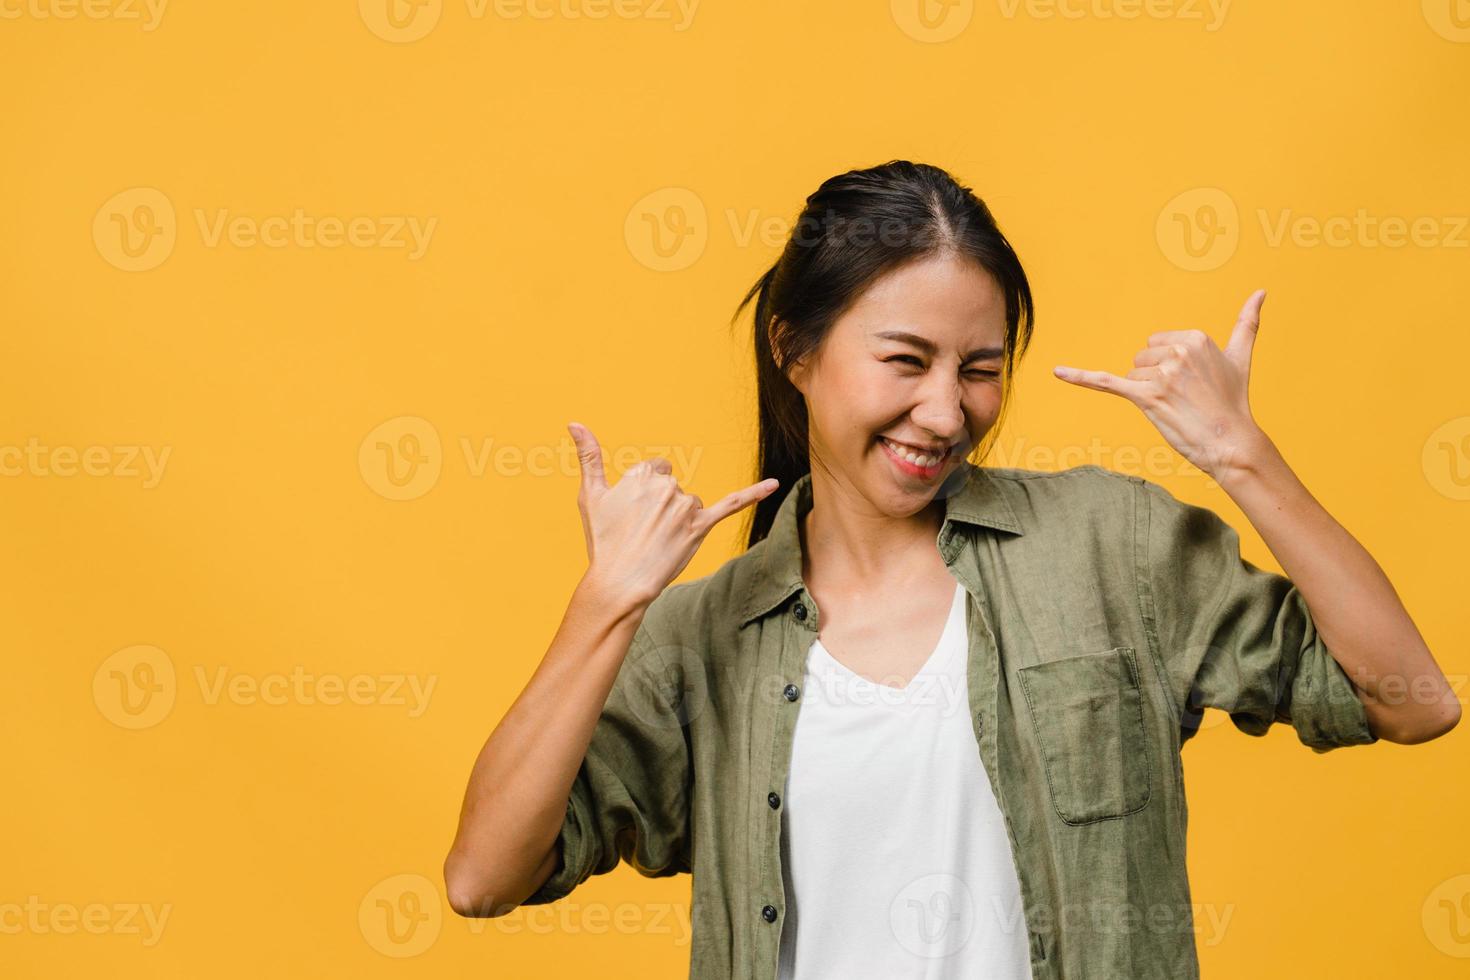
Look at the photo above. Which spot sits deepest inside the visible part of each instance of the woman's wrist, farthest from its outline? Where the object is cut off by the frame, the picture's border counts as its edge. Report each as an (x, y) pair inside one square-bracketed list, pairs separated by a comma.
[(613, 598)]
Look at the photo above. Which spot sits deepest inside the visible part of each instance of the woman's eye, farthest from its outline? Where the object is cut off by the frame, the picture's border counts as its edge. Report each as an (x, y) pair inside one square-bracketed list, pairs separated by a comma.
[(910, 359)]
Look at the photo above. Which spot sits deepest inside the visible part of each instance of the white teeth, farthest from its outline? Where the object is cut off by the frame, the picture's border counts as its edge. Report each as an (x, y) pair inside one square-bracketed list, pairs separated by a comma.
[(918, 459)]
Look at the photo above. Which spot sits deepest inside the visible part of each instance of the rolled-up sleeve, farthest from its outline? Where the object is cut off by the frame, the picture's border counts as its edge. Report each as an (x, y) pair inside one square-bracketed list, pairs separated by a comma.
[(1236, 637), (630, 798)]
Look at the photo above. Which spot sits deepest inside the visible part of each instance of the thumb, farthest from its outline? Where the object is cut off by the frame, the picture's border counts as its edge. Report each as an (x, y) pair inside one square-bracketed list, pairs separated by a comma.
[(1243, 338), (589, 458)]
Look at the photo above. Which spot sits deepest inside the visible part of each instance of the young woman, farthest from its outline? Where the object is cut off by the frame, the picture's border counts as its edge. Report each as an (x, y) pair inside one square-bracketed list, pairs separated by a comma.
[(929, 723)]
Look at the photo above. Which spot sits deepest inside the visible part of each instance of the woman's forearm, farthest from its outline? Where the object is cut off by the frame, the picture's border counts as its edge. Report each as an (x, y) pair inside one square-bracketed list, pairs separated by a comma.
[(1354, 606), (518, 789)]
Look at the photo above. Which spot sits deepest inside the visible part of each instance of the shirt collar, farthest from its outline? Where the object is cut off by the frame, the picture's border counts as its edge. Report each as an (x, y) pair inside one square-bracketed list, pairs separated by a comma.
[(979, 501)]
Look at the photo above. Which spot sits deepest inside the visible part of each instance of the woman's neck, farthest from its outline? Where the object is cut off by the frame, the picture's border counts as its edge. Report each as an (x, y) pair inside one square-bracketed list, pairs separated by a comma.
[(845, 537)]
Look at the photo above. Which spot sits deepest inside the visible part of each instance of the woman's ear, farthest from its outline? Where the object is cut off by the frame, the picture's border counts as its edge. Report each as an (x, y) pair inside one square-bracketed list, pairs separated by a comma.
[(796, 373)]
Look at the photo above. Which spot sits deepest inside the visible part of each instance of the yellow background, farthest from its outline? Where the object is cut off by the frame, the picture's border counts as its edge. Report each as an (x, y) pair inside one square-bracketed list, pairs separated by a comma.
[(277, 836)]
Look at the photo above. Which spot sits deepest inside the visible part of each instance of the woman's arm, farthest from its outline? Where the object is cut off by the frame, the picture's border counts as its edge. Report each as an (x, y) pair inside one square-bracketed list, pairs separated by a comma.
[(505, 846), (640, 535), (1196, 394), (1353, 604)]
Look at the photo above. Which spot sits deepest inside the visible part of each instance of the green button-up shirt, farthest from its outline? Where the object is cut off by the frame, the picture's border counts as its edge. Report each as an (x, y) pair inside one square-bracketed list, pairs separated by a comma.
[(1103, 615)]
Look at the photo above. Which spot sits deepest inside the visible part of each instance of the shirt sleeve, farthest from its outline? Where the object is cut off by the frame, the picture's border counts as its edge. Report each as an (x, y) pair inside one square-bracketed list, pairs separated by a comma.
[(1236, 637), (630, 798)]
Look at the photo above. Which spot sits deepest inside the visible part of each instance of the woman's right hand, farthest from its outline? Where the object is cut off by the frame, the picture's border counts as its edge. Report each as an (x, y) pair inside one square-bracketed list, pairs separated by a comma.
[(643, 532)]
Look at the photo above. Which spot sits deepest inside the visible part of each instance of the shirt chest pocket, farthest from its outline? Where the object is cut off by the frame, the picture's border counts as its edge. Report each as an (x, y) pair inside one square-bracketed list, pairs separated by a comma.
[(1087, 713)]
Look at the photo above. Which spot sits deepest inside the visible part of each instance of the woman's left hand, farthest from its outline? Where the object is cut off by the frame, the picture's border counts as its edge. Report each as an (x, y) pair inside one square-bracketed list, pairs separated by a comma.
[(1193, 392)]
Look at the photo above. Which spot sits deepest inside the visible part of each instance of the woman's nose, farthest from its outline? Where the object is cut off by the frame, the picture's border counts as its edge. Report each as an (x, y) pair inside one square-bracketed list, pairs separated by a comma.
[(941, 411)]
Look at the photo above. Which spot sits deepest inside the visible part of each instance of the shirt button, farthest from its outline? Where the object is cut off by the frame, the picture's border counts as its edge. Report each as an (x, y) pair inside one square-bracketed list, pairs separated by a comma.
[(791, 692), (769, 913), (799, 612), (774, 800)]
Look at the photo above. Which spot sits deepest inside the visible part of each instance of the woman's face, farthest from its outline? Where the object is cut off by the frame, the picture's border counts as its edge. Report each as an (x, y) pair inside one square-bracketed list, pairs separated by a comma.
[(913, 367)]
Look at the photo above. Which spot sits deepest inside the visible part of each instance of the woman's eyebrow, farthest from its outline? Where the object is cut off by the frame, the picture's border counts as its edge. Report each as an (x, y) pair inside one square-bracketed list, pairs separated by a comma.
[(927, 346)]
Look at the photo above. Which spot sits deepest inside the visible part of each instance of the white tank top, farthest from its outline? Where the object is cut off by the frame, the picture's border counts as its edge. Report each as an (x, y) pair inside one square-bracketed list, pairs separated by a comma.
[(893, 848)]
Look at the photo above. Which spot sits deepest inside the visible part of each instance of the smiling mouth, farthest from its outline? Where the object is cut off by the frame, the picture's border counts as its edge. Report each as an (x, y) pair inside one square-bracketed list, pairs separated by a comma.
[(915, 461)]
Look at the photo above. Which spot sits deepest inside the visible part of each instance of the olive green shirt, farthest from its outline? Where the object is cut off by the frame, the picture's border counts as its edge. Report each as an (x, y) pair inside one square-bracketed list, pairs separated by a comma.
[(1103, 615)]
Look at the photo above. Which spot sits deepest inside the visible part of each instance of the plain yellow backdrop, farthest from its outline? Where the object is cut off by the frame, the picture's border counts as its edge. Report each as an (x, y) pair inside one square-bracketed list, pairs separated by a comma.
[(299, 298)]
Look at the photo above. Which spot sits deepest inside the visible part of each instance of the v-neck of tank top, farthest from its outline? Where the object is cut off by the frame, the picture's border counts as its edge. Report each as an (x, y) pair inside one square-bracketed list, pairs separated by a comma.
[(935, 664)]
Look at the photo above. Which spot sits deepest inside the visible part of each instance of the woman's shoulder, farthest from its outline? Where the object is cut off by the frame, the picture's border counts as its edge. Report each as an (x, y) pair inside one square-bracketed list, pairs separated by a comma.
[(1100, 497), (1072, 476), (1053, 500)]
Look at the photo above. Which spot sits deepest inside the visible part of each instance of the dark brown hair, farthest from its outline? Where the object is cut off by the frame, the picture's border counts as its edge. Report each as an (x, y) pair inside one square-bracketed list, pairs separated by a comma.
[(854, 228)]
